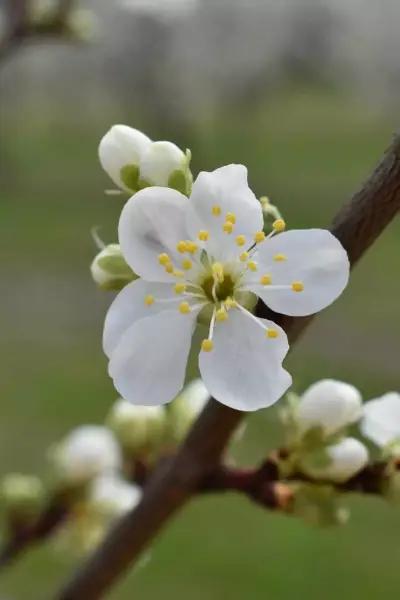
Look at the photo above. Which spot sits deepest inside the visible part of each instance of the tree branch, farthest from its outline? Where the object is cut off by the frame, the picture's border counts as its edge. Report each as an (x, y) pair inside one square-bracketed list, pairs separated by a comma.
[(357, 225)]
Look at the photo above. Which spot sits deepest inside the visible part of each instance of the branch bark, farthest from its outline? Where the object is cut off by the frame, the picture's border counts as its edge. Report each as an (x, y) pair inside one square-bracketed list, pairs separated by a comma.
[(357, 225)]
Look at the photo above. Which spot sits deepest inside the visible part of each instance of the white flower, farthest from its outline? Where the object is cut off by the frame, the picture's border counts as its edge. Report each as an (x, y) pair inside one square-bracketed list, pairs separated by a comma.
[(381, 421), (112, 495), (205, 256), (344, 460), (86, 452), (134, 161), (139, 428), (329, 404)]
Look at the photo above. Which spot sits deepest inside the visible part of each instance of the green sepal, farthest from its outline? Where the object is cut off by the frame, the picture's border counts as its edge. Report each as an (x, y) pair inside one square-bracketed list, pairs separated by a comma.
[(130, 177)]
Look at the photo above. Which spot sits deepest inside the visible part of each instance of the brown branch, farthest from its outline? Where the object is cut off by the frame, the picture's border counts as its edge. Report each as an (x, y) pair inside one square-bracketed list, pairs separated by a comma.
[(357, 225)]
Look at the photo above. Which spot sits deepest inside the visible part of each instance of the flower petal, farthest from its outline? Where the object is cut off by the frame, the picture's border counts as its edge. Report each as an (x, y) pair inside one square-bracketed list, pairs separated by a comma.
[(346, 458), (227, 189), (313, 257), (152, 222), (160, 160), (244, 368), (148, 365), (381, 422), (121, 146), (129, 306)]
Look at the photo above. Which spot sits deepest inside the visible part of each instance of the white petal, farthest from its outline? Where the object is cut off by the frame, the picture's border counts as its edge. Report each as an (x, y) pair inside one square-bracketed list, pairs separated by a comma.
[(112, 493), (381, 422), (152, 222), (129, 306), (314, 257), (148, 365), (121, 146), (347, 458), (244, 369), (228, 189), (159, 161), (329, 404)]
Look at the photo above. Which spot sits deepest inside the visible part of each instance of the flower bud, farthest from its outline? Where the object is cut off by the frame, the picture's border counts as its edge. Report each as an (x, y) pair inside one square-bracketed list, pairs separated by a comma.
[(110, 270), (111, 496), (381, 422), (139, 429), (86, 452), (21, 495), (336, 463), (330, 405), (183, 411), (120, 152), (165, 164)]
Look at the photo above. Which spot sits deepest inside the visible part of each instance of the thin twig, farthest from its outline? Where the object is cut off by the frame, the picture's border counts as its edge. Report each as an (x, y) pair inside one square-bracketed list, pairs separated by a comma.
[(357, 225)]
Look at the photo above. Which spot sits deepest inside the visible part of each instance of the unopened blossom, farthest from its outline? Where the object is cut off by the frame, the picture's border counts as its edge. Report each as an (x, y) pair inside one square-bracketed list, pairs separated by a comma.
[(342, 461), (329, 404), (185, 408), (207, 257), (110, 270), (112, 495), (134, 161), (87, 451), (381, 421)]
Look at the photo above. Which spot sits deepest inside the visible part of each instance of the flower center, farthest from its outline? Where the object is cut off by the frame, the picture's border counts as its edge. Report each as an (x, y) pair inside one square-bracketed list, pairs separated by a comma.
[(222, 289)]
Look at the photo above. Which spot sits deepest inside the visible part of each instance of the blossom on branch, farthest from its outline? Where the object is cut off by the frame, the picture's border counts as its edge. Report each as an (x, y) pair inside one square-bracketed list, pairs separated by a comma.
[(381, 422)]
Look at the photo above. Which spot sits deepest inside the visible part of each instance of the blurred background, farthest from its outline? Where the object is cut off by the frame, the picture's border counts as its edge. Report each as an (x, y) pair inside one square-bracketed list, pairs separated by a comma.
[(306, 94)]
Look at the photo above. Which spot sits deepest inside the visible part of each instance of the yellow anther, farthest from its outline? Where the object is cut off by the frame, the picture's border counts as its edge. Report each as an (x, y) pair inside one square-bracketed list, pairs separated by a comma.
[(227, 227), (184, 308), (265, 280), (280, 257), (230, 303), (177, 273), (279, 225), (164, 259), (244, 256), (149, 300), (297, 286), (191, 247), (181, 246), (264, 200), (207, 345), (259, 237), (252, 265), (179, 288), (221, 314), (187, 264), (240, 240), (218, 271), (271, 333), (230, 217), (203, 235), (216, 210), (169, 267)]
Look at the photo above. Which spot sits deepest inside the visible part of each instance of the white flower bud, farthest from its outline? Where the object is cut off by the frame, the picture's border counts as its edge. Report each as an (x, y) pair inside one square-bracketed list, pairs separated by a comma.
[(339, 463), (120, 152), (110, 270), (185, 408), (164, 164), (381, 421), (21, 494), (331, 405), (112, 496), (86, 452), (139, 429)]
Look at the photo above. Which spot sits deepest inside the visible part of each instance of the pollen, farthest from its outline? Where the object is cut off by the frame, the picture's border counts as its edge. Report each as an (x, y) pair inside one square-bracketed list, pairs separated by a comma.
[(149, 300), (169, 267), (191, 247), (265, 279), (227, 227), (216, 210), (230, 217), (251, 265), (164, 259), (203, 235), (271, 333), (244, 256), (280, 257), (218, 272), (221, 314), (259, 237), (297, 286), (179, 288), (184, 308), (177, 273), (279, 225), (181, 246), (240, 240), (207, 345), (187, 264)]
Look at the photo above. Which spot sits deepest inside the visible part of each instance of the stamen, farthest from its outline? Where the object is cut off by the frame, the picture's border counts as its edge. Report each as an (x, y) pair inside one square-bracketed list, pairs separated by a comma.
[(228, 227), (265, 280), (203, 235), (252, 265), (191, 247), (259, 237), (230, 218), (280, 257), (297, 286), (279, 225), (221, 314), (244, 256), (230, 303), (216, 210), (164, 259), (207, 345), (180, 288), (187, 264), (271, 333), (184, 308), (149, 300), (240, 240), (218, 272), (177, 273), (181, 246), (169, 267)]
